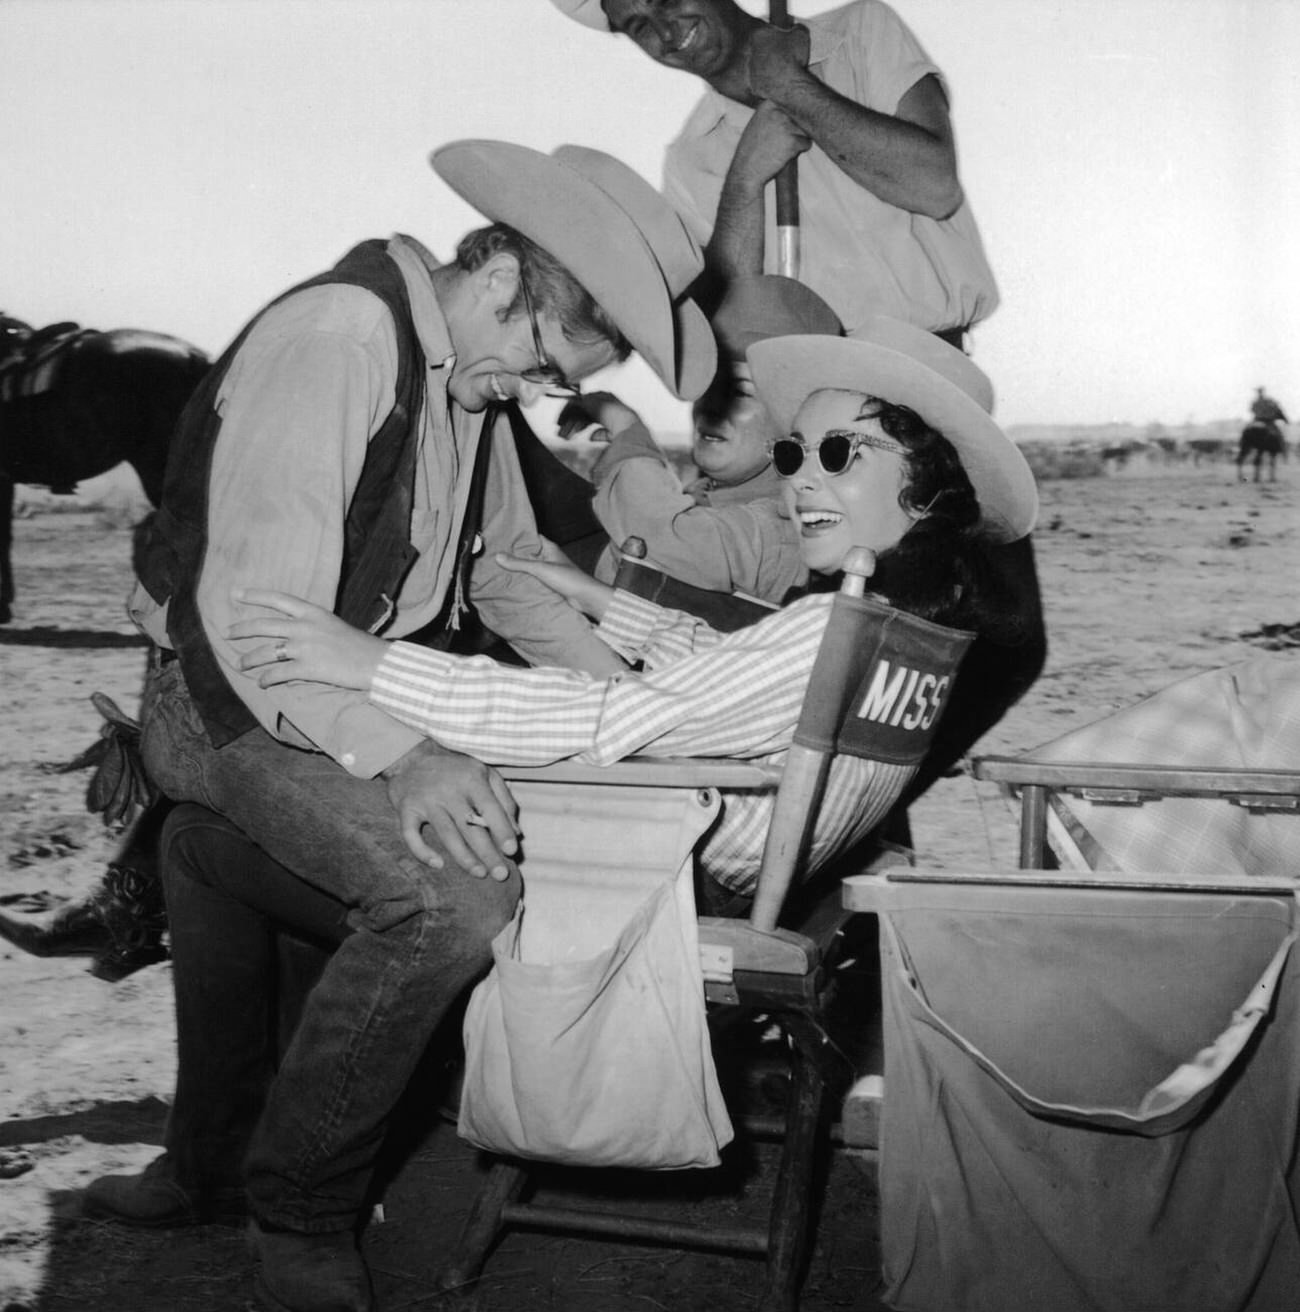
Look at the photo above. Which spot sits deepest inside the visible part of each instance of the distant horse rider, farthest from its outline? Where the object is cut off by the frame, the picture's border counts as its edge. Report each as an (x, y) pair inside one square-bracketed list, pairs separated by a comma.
[(1263, 436), (1265, 410)]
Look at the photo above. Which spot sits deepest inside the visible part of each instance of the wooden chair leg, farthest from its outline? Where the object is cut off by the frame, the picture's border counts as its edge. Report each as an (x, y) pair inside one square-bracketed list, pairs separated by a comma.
[(792, 1201), (504, 1184)]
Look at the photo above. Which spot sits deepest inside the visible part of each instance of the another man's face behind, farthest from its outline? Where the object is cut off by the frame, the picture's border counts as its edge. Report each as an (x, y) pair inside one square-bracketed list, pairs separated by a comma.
[(494, 345), (702, 37), (732, 428)]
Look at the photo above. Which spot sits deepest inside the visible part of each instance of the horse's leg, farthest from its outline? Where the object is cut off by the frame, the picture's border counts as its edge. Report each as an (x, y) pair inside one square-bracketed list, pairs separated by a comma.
[(6, 548)]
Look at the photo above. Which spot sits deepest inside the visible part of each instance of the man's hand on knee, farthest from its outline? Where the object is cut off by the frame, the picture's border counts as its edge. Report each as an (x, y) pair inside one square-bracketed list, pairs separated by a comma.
[(464, 802)]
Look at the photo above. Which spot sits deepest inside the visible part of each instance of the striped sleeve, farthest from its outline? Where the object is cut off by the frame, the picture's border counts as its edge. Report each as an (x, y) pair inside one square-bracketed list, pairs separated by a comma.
[(739, 698), (641, 630)]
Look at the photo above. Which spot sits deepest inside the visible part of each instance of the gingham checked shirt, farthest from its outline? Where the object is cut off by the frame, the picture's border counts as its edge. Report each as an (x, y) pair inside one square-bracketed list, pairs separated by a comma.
[(702, 693)]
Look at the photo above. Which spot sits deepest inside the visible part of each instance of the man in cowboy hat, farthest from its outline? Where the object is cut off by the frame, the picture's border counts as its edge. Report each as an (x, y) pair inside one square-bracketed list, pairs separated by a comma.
[(853, 96), (353, 445)]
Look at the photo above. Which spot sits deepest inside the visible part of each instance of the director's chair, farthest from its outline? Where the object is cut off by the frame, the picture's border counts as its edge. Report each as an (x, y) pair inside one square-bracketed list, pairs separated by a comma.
[(877, 690), (1092, 1074)]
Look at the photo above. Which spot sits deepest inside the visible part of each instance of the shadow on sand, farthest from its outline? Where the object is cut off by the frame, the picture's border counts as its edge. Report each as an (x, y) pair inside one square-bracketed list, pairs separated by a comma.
[(46, 635)]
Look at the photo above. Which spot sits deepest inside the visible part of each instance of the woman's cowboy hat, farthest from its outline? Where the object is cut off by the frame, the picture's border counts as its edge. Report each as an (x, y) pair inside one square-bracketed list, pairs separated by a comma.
[(587, 12), (905, 365), (611, 229)]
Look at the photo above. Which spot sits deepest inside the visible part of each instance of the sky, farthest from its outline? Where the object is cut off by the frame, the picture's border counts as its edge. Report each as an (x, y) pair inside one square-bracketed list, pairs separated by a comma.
[(1134, 166)]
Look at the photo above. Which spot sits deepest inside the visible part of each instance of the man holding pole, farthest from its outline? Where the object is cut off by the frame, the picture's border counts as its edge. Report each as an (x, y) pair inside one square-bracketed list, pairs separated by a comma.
[(851, 99), (851, 95)]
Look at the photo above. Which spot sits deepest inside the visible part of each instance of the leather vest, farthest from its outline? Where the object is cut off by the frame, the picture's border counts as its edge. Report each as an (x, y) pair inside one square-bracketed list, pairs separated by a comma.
[(377, 549)]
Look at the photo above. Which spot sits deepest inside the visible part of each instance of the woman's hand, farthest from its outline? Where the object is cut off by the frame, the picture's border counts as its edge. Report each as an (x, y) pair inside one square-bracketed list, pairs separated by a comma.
[(577, 587), (305, 642)]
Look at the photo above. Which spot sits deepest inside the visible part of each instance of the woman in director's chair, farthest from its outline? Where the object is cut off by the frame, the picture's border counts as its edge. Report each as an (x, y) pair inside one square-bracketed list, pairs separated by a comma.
[(891, 449)]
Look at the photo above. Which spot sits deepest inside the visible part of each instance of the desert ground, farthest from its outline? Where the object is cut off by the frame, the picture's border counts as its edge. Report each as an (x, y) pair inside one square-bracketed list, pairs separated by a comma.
[(1152, 573)]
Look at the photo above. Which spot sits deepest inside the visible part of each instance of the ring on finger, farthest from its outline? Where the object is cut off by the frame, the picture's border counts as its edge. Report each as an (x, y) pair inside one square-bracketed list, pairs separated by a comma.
[(473, 818), (282, 650)]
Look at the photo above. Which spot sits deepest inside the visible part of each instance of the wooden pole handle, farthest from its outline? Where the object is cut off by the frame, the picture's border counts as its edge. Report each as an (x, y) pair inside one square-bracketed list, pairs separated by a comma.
[(786, 182)]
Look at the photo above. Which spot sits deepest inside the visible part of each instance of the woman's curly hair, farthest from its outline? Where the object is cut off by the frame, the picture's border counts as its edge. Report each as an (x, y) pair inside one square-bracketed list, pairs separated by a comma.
[(936, 570)]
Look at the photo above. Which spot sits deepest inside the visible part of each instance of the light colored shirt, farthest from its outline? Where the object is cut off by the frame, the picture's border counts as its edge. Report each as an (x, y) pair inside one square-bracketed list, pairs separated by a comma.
[(727, 539), (701, 693), (311, 385), (859, 253)]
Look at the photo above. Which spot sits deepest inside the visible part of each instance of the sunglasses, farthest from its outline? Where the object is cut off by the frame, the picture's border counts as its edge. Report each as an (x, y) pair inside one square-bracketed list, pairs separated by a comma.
[(835, 451), (545, 373)]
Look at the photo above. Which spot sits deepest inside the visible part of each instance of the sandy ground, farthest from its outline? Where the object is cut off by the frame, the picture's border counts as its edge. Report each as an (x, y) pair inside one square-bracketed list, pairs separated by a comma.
[(1148, 576)]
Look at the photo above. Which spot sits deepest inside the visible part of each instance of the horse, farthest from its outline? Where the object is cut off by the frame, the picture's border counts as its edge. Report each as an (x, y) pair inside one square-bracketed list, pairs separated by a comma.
[(75, 402), (1260, 438)]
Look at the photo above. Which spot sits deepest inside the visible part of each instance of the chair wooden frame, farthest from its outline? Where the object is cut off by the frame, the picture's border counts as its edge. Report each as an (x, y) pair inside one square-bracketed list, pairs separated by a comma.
[(1127, 785), (754, 963)]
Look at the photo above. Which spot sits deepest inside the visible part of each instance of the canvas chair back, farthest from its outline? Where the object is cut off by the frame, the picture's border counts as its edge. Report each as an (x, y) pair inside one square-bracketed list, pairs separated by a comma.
[(878, 689)]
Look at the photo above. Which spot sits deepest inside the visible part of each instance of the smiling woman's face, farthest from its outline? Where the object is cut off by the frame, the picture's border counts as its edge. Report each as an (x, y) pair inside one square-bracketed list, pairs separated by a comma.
[(857, 508)]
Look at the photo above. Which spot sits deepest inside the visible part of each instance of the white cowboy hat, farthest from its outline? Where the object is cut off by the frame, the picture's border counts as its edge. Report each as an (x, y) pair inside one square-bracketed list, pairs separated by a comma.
[(905, 365), (611, 229), (587, 12)]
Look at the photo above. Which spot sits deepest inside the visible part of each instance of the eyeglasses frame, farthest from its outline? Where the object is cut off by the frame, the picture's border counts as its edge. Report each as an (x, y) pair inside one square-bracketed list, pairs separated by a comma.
[(856, 442), (546, 373)]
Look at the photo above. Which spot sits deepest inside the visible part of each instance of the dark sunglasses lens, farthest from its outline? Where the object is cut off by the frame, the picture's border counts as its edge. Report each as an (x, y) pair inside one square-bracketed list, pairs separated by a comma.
[(787, 456), (834, 453)]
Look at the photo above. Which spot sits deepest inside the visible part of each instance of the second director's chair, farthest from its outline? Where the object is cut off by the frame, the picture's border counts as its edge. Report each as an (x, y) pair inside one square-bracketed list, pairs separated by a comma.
[(878, 688), (1092, 1074)]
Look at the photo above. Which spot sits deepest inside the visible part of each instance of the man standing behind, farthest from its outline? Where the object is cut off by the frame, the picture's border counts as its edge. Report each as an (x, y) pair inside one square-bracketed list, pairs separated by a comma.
[(850, 93), (351, 445)]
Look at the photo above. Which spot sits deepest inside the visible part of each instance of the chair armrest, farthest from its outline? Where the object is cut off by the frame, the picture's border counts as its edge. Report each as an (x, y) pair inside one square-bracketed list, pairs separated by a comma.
[(872, 892), (728, 945), (671, 772), (1099, 781)]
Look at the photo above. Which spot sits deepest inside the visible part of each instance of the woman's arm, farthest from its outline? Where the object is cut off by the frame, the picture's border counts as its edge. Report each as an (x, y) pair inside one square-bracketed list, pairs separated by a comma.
[(739, 698), (304, 642)]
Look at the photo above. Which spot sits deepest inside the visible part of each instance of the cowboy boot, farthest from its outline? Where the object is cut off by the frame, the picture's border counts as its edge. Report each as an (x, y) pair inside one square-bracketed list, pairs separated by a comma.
[(120, 923), (74, 930), (130, 901)]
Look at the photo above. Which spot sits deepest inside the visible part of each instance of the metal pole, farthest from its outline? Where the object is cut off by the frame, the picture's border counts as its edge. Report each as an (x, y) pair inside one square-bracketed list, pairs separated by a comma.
[(786, 183)]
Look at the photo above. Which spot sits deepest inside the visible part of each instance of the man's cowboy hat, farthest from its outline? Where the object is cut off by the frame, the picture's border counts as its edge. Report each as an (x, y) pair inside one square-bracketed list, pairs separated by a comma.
[(587, 12), (611, 229), (905, 365), (762, 305)]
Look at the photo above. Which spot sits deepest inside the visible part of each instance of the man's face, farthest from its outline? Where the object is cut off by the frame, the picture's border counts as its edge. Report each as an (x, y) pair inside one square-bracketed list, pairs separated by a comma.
[(702, 37), (492, 351), (732, 428)]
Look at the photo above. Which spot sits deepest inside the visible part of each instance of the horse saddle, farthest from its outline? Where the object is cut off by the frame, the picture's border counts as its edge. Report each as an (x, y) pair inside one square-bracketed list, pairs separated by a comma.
[(34, 366)]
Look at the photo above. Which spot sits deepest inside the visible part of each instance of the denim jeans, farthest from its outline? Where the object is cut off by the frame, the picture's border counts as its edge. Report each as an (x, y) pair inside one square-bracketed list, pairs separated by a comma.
[(420, 938), (250, 940)]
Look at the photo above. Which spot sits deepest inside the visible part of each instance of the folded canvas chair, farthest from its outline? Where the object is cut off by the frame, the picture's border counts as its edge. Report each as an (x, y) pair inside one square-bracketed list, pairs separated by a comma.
[(593, 833), (1092, 1078)]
